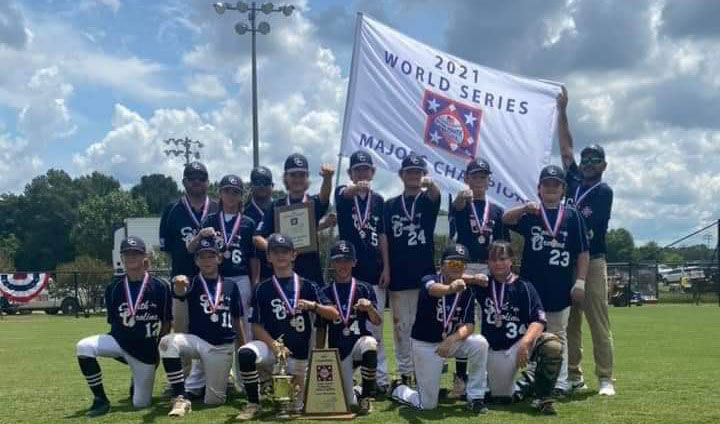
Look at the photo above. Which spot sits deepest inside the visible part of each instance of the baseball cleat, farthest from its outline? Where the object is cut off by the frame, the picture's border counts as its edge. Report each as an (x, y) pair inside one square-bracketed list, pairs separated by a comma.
[(545, 406), (364, 405), (577, 385), (248, 412), (180, 407), (98, 407), (477, 406)]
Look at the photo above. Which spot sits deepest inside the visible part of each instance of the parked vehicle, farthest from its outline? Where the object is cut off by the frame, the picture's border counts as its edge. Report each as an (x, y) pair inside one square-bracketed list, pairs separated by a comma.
[(45, 301)]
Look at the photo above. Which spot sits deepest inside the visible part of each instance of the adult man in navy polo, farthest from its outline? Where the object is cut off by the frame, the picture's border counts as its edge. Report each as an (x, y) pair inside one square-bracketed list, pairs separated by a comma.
[(182, 219), (592, 198)]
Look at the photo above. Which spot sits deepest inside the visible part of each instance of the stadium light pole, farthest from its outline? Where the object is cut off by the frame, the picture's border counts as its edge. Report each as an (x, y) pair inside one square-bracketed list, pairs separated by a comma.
[(183, 147), (263, 28)]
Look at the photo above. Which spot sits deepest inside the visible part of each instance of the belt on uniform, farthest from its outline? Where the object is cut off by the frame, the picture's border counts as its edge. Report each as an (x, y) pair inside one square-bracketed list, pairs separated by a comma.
[(597, 256)]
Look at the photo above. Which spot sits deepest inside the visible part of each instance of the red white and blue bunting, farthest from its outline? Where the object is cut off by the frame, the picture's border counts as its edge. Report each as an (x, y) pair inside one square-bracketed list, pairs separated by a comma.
[(23, 287)]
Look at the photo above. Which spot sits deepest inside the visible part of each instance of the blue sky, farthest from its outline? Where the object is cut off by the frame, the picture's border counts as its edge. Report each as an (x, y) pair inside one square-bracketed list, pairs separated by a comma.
[(98, 84)]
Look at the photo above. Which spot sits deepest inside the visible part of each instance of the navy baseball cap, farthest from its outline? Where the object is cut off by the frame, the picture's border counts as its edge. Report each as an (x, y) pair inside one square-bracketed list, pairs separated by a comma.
[(296, 162), (593, 150), (133, 243), (478, 165), (456, 251), (552, 172), (213, 244), (413, 161), (342, 249), (231, 181), (280, 241), (360, 158), (195, 168), (260, 177)]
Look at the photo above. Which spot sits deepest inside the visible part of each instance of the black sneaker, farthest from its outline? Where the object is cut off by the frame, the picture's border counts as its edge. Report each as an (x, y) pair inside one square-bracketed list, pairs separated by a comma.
[(443, 394), (546, 406), (99, 407), (559, 393), (132, 389), (477, 406)]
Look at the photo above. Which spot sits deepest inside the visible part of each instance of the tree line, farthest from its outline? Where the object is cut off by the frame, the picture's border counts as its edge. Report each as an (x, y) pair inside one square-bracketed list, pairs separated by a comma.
[(58, 220)]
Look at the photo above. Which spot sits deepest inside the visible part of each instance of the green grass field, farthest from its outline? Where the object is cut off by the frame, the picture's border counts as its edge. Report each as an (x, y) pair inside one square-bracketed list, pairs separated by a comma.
[(667, 371)]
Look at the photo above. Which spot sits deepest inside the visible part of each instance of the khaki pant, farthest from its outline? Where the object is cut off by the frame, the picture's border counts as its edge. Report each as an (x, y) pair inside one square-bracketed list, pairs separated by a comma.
[(595, 308)]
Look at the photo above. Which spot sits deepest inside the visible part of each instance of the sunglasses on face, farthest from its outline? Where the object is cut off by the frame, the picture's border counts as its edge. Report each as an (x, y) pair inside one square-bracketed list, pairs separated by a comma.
[(232, 191), (455, 264), (200, 178), (594, 160)]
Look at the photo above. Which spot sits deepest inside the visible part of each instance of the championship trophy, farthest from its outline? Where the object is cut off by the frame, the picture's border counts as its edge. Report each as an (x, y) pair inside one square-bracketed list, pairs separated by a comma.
[(284, 389)]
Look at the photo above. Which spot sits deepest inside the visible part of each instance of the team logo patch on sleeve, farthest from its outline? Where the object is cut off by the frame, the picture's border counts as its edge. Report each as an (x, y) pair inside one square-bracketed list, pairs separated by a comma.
[(450, 125)]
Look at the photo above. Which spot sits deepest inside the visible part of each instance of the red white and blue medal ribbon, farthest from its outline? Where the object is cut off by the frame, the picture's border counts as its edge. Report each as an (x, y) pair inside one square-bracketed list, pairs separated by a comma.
[(206, 207), (486, 214), (410, 215), (362, 219), (345, 317), (579, 198), (281, 292), (258, 208), (218, 295), (447, 318), (235, 227), (499, 302), (133, 306), (558, 220)]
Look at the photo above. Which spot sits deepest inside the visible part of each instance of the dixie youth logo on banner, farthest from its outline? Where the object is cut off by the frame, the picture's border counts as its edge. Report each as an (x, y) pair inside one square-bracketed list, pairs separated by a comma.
[(405, 96)]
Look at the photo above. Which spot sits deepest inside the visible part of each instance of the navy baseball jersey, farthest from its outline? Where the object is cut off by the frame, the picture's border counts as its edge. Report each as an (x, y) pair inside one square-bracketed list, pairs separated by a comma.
[(357, 323), (241, 248), (473, 234), (521, 306), (257, 213), (138, 334), (306, 264), (177, 227), (594, 203), (270, 312), (213, 326), (411, 239), (549, 262), (362, 227), (432, 311)]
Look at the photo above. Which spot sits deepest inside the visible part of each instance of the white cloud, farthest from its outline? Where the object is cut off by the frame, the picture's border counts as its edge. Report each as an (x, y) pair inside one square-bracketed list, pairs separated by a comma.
[(206, 85), (666, 185)]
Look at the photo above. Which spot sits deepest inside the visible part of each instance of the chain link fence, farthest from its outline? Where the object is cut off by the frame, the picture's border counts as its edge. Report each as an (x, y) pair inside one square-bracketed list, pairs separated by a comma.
[(629, 283), (651, 282)]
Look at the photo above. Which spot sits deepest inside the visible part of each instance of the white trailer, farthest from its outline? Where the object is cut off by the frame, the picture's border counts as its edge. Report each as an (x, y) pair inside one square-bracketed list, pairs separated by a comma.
[(147, 229)]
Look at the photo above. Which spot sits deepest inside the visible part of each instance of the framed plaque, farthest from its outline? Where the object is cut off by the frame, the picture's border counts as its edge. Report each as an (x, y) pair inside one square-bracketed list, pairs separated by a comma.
[(297, 221)]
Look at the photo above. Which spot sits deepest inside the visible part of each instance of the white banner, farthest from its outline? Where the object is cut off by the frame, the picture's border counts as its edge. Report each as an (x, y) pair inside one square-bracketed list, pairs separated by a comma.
[(405, 96)]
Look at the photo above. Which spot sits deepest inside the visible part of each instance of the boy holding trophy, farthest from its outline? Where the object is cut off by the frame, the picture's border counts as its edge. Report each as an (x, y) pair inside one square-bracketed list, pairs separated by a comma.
[(283, 306)]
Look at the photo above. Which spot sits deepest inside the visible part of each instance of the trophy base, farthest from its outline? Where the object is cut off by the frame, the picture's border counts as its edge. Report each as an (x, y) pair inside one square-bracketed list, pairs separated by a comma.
[(327, 417)]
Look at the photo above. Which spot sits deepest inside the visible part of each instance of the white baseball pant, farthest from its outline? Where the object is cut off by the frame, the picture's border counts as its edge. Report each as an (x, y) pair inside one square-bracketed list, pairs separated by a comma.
[(404, 308), (214, 361), (429, 370), (143, 375)]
